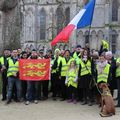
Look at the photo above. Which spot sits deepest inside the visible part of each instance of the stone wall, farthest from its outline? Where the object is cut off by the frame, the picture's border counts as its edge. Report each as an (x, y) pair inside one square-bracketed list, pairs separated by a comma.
[(102, 26)]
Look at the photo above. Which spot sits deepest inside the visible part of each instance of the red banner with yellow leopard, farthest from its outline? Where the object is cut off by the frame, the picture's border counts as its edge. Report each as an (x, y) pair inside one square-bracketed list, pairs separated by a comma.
[(34, 70)]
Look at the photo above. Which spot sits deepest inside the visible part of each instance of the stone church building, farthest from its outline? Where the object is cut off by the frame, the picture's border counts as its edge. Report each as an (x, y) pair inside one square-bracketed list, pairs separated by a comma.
[(42, 20)]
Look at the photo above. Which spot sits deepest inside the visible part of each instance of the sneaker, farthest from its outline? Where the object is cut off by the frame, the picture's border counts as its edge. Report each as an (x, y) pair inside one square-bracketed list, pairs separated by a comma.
[(84, 103), (8, 102), (63, 99), (44, 98), (54, 98), (18, 100), (75, 101), (70, 100), (90, 104), (3, 99), (117, 105), (27, 102), (36, 101)]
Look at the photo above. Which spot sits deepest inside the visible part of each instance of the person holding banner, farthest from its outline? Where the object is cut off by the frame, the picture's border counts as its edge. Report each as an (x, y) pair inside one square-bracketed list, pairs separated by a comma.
[(32, 86), (23, 82), (85, 76), (44, 83)]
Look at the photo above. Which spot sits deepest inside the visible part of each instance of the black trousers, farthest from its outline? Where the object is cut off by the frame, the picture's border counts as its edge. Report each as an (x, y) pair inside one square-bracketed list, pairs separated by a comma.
[(4, 86), (87, 93), (63, 88), (45, 85), (55, 84), (39, 90), (72, 92), (24, 89), (118, 83), (43, 88), (79, 94)]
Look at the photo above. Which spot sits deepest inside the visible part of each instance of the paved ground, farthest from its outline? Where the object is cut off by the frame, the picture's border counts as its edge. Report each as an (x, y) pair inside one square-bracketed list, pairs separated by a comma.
[(52, 110)]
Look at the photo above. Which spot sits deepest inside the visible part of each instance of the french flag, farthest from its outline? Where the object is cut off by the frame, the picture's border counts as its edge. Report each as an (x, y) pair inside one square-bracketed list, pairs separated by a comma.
[(81, 20)]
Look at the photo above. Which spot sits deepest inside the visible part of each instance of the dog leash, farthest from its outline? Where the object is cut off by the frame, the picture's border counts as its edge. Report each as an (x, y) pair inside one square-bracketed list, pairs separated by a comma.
[(97, 87), (93, 80)]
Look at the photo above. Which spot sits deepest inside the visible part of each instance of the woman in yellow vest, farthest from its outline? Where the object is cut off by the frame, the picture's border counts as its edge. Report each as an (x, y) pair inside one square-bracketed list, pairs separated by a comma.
[(85, 76), (71, 82)]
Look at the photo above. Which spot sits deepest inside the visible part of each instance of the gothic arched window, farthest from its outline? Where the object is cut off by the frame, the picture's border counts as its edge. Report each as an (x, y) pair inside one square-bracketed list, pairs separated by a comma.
[(42, 24), (80, 40), (67, 15), (115, 6), (100, 35), (93, 33), (113, 41), (86, 37), (60, 19), (31, 47)]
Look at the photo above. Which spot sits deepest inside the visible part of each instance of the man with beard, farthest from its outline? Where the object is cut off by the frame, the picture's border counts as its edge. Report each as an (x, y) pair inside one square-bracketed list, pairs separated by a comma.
[(32, 86), (13, 76), (64, 66)]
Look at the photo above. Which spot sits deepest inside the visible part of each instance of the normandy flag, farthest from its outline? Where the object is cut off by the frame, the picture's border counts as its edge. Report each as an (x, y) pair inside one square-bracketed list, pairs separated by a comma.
[(34, 70), (81, 20)]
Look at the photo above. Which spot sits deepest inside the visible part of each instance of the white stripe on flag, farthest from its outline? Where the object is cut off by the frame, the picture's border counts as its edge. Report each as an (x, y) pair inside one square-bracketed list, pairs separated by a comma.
[(77, 18)]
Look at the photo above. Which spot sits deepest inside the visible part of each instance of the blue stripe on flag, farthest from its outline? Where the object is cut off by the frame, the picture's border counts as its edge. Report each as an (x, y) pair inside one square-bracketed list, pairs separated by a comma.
[(86, 19)]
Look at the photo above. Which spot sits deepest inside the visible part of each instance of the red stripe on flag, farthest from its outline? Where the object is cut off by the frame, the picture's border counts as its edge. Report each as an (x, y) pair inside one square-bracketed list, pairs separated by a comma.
[(64, 35)]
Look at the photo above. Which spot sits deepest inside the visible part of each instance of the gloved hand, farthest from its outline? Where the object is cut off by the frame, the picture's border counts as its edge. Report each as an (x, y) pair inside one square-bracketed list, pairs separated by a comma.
[(66, 82), (76, 79)]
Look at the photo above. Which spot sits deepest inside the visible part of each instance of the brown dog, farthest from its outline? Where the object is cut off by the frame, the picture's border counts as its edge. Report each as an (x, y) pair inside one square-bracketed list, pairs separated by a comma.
[(107, 102)]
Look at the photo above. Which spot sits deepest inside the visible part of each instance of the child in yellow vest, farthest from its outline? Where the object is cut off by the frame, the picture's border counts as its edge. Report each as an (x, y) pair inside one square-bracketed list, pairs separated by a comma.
[(71, 82)]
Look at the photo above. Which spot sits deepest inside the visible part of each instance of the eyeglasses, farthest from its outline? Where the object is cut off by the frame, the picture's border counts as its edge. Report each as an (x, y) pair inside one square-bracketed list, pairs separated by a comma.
[(24, 55)]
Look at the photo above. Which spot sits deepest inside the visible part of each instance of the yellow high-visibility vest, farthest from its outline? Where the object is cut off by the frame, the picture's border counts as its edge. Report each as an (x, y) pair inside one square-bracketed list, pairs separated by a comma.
[(85, 68), (105, 44), (13, 68), (58, 63), (118, 68), (103, 77), (2, 60), (71, 77), (77, 59), (65, 66)]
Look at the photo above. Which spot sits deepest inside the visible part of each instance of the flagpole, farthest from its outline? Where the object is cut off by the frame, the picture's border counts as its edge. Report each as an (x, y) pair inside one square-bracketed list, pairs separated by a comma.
[(91, 22)]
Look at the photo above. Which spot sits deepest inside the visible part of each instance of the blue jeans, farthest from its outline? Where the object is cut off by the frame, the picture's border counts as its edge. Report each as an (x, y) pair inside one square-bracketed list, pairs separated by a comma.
[(32, 90), (118, 84), (11, 82)]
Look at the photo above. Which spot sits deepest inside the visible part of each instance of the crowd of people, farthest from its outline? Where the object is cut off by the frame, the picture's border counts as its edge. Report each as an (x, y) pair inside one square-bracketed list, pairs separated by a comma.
[(75, 76)]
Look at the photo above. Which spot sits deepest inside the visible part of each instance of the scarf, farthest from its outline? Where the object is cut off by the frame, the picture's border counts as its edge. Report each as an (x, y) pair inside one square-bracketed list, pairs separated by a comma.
[(101, 66)]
